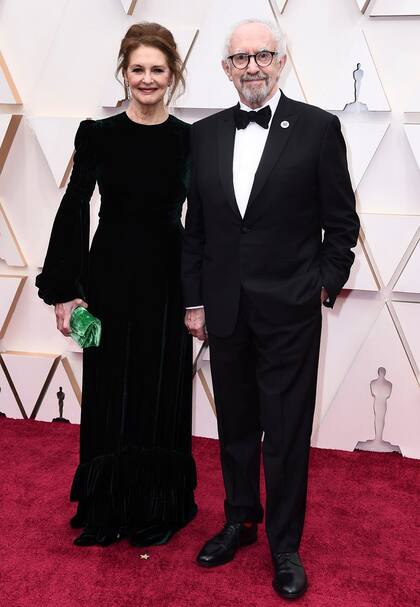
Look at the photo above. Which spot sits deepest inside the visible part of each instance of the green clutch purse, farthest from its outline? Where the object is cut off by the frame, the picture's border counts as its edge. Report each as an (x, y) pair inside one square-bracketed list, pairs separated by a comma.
[(85, 328)]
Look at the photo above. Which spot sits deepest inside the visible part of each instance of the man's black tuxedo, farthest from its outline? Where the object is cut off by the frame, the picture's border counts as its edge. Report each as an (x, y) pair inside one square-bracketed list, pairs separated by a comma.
[(259, 278), (276, 252)]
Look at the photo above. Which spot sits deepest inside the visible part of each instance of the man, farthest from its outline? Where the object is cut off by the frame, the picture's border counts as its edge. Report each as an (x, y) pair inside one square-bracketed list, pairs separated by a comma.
[(268, 176)]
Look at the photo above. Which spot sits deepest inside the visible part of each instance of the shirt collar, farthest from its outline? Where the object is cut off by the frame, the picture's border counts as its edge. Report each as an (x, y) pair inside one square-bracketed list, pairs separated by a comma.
[(273, 103)]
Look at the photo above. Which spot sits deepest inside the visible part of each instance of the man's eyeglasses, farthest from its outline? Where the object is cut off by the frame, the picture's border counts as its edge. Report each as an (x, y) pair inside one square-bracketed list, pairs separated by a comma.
[(262, 59)]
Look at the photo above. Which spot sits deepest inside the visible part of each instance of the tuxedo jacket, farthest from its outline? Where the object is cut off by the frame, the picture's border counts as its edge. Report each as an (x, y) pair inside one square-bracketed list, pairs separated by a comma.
[(298, 229)]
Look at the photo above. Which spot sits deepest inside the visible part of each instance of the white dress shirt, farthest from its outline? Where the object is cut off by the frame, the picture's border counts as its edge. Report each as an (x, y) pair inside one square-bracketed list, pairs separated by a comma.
[(247, 152)]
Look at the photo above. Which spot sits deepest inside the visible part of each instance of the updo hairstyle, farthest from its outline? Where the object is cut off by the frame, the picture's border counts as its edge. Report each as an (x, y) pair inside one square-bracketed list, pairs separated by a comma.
[(156, 36)]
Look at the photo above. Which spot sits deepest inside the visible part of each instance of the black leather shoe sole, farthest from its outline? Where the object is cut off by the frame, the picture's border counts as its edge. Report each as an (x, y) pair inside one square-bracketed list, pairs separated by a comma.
[(227, 557), (217, 562), (289, 595)]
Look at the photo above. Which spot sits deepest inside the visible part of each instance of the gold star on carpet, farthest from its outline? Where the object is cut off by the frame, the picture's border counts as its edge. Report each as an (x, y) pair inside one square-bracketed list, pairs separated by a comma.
[(145, 556)]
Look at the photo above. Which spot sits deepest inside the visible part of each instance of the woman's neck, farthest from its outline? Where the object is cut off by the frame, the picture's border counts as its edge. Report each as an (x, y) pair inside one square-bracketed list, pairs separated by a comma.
[(147, 114)]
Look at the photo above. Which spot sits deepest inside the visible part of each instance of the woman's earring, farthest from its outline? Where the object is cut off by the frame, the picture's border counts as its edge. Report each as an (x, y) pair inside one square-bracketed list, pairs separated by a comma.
[(127, 90), (170, 92)]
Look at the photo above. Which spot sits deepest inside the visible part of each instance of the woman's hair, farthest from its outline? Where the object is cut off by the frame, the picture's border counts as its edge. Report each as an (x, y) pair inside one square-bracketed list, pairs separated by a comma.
[(156, 36)]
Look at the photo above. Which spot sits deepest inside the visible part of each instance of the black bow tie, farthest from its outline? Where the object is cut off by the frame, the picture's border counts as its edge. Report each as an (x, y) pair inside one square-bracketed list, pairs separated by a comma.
[(243, 118)]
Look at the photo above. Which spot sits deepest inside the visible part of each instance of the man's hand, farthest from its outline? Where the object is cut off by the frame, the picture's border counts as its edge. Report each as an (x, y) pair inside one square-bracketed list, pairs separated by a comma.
[(195, 321), (63, 312), (324, 294)]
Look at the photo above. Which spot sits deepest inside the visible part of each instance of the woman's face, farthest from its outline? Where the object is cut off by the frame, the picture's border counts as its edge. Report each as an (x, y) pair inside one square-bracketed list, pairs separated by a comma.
[(148, 75)]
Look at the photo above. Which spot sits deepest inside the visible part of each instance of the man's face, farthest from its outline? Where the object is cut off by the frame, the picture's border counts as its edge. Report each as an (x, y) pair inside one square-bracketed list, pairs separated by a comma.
[(254, 84)]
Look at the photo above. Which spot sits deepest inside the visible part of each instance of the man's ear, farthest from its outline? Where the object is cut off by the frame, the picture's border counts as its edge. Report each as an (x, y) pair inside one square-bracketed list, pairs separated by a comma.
[(226, 68), (283, 61)]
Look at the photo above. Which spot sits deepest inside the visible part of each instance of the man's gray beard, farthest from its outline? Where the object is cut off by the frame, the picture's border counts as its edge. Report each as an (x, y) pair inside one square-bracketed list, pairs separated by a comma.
[(254, 96)]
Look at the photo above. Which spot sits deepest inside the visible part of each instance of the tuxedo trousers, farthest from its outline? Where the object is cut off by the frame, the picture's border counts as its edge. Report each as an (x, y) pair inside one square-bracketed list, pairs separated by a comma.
[(264, 380)]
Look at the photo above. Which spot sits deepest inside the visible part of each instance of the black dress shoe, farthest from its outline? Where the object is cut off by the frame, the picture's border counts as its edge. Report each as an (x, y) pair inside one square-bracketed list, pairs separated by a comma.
[(98, 537), (86, 538), (107, 537), (221, 548), (153, 535), (159, 533), (290, 581)]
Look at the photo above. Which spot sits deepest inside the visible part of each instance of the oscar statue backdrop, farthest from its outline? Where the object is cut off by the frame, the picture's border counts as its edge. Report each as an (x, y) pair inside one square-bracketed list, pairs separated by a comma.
[(359, 59)]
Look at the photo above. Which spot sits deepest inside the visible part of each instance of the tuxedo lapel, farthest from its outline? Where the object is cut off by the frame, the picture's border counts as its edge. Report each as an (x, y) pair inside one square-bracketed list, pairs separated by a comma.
[(225, 142), (284, 120)]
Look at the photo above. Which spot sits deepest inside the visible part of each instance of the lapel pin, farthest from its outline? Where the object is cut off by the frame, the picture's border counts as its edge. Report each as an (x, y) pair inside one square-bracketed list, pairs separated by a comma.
[(144, 557), (285, 124)]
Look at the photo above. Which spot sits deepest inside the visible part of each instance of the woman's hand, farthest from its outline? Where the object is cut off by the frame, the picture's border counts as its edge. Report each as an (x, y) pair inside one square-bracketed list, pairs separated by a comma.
[(63, 312)]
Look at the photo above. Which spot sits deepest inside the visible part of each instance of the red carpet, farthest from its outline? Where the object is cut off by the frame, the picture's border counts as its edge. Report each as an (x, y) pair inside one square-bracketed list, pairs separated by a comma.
[(361, 543)]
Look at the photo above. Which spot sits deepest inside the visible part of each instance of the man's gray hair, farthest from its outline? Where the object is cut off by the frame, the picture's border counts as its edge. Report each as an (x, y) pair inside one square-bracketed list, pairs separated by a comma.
[(278, 35)]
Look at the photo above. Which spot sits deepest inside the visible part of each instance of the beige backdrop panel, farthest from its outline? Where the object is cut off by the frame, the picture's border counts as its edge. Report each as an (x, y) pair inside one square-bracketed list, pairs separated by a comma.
[(61, 54)]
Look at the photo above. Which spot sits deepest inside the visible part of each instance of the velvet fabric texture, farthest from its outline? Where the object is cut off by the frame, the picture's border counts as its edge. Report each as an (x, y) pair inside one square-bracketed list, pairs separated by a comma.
[(135, 465)]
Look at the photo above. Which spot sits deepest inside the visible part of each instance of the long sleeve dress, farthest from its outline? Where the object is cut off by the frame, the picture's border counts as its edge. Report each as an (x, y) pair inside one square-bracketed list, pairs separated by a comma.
[(136, 466)]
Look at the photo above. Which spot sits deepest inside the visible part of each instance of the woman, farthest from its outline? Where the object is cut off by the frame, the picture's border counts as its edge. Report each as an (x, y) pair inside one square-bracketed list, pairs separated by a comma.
[(136, 474)]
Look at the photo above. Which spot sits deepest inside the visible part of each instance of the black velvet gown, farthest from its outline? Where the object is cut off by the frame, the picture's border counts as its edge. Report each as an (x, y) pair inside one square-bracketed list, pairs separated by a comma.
[(136, 466)]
